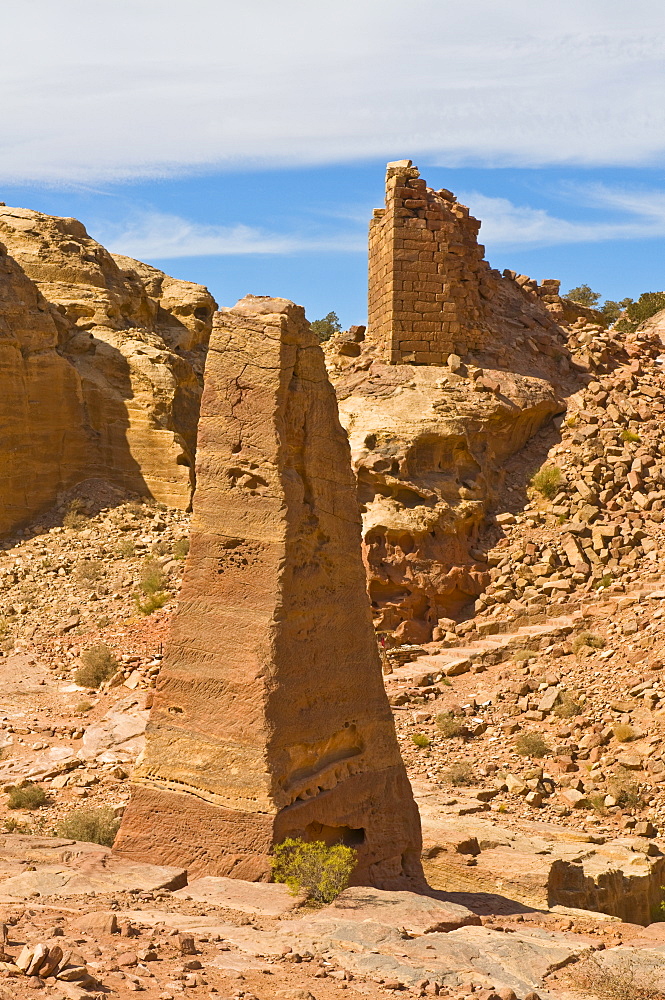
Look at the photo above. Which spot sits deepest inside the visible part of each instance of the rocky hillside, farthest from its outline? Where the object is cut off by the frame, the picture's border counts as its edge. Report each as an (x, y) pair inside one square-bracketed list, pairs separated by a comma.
[(101, 362)]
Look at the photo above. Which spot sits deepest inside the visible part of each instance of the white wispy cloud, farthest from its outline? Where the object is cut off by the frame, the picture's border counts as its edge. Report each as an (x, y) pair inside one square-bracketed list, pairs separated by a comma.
[(628, 215), (152, 88), (161, 236)]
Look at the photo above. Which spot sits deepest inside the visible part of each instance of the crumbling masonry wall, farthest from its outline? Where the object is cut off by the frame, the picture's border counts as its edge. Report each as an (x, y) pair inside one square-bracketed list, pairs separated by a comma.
[(425, 272), (431, 292)]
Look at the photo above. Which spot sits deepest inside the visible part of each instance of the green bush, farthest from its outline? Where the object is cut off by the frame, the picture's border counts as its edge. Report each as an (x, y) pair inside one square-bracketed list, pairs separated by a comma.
[(587, 641), (612, 310), (532, 745), (547, 481), (88, 573), (648, 304), (150, 604), (326, 327), (76, 516), (95, 826), (28, 796), (525, 654), (126, 548), (623, 733), (319, 871), (626, 791), (153, 579), (568, 707), (99, 664), (154, 585), (460, 774), (420, 740), (584, 296), (449, 726), (180, 548), (627, 435)]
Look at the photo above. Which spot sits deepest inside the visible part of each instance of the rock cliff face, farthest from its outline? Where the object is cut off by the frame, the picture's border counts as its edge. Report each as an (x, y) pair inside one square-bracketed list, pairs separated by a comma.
[(270, 716), (101, 365)]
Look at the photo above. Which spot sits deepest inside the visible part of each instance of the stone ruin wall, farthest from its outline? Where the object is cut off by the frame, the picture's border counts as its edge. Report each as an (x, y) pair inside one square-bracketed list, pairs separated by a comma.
[(431, 292)]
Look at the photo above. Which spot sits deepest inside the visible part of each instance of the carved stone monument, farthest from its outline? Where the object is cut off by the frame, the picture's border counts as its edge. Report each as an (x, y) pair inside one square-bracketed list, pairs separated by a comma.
[(270, 717)]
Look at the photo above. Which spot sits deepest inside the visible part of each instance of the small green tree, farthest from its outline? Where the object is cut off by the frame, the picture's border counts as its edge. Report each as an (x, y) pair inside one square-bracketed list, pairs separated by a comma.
[(648, 304), (584, 296), (321, 872), (612, 310), (324, 328)]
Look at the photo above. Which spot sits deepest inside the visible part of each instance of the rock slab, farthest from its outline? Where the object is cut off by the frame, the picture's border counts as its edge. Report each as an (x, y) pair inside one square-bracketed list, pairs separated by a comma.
[(270, 717)]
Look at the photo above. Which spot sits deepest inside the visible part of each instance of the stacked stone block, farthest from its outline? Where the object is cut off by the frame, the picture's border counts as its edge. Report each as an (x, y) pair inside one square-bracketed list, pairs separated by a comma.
[(426, 270)]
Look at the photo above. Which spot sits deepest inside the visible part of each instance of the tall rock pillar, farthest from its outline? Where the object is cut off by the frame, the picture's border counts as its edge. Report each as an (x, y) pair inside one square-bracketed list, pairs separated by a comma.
[(270, 717)]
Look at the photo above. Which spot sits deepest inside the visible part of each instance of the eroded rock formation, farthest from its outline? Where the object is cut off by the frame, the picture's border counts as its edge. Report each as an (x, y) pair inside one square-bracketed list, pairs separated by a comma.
[(101, 360), (270, 717), (428, 455)]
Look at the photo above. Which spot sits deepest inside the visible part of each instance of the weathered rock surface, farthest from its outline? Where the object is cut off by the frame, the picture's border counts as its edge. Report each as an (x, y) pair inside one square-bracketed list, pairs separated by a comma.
[(428, 454), (270, 718), (54, 867), (100, 367)]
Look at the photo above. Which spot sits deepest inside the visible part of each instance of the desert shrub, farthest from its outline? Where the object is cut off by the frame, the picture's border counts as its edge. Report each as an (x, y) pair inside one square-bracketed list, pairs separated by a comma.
[(449, 726), (12, 825), (83, 706), (525, 654), (95, 826), (420, 740), (626, 791), (586, 641), (6, 635), (98, 664), (88, 572), (627, 435), (605, 580), (547, 481), (76, 516), (623, 733), (532, 745), (326, 327), (597, 802), (625, 979), (126, 548), (584, 296), (153, 585), (150, 604), (321, 872), (153, 579), (180, 548), (460, 774), (568, 707), (27, 796)]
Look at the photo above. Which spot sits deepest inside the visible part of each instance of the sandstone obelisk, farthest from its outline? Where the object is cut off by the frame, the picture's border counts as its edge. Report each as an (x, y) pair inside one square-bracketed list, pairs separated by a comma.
[(270, 717)]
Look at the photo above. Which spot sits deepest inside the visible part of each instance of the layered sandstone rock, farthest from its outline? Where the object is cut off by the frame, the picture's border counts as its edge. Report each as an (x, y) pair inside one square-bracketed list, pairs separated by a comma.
[(102, 360), (270, 716), (428, 453)]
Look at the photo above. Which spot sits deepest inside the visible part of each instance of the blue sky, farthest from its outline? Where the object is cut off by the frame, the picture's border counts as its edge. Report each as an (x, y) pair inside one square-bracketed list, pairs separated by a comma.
[(245, 147)]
